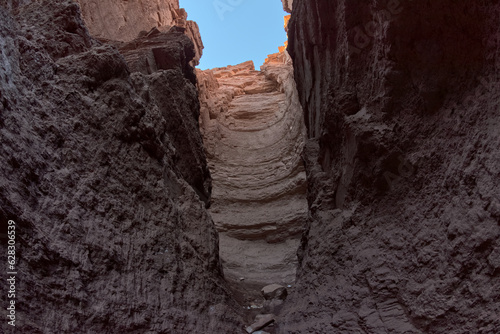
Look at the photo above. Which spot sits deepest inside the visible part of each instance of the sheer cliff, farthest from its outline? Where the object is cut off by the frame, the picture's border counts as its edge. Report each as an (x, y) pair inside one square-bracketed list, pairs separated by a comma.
[(150, 197), (253, 131), (104, 174), (124, 21), (401, 104)]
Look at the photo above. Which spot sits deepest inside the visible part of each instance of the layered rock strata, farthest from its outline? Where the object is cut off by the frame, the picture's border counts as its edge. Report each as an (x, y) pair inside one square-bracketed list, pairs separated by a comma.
[(104, 174), (401, 102), (253, 132), (119, 20)]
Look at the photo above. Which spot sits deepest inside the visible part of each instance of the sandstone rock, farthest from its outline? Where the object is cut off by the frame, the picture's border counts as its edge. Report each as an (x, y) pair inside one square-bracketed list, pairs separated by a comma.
[(112, 235), (160, 51), (287, 5), (172, 51), (244, 113), (253, 133), (274, 291), (261, 322), (402, 165), (124, 21)]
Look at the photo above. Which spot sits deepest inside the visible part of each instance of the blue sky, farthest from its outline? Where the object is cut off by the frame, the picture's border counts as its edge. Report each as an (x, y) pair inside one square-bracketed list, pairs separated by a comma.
[(234, 31)]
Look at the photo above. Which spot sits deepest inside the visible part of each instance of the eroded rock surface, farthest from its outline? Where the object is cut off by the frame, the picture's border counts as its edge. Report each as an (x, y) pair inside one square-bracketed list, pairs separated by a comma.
[(120, 20), (253, 132), (401, 102), (112, 231)]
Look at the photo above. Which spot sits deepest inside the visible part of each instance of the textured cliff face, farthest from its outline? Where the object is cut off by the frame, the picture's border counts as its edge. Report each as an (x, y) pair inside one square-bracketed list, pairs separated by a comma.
[(120, 20), (402, 157), (124, 20), (254, 133), (103, 172)]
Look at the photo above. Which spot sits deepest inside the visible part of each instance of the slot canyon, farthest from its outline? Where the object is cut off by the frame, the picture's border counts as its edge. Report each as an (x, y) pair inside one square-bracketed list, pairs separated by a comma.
[(351, 184)]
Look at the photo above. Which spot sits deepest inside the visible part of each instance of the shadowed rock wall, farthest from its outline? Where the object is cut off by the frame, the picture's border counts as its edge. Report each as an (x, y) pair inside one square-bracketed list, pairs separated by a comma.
[(112, 234), (401, 103)]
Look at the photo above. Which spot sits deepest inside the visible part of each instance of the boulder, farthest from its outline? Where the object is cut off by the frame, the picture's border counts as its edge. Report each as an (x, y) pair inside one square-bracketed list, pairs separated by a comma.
[(274, 291)]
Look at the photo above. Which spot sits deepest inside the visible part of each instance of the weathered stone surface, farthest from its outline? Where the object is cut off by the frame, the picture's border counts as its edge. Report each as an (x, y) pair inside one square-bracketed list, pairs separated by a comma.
[(111, 237), (119, 20), (401, 103), (159, 51), (274, 291), (253, 133), (124, 20)]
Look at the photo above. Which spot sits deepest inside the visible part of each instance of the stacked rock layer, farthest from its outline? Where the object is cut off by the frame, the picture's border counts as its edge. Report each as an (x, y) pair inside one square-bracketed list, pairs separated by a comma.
[(253, 132), (118, 20)]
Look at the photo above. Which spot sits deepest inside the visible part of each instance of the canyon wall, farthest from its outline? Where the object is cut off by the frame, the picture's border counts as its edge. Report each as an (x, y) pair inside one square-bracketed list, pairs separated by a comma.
[(401, 104), (120, 20), (105, 176), (253, 132)]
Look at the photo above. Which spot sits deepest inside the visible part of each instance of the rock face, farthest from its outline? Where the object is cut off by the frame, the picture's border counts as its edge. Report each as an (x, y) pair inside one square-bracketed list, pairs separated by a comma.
[(124, 20), (104, 174), (254, 133), (274, 291), (121, 20), (401, 102), (287, 5)]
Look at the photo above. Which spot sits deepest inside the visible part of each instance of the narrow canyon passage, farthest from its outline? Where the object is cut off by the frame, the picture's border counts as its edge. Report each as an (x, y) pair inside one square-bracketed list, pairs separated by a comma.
[(150, 197), (253, 131)]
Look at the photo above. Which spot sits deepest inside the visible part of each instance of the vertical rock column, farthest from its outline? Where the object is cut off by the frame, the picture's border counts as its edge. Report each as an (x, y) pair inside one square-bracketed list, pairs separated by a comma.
[(253, 132)]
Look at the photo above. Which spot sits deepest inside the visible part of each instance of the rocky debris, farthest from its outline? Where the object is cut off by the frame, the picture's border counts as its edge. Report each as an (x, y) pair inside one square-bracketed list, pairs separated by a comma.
[(261, 321), (274, 291), (111, 235), (171, 51), (401, 104), (253, 133), (273, 306)]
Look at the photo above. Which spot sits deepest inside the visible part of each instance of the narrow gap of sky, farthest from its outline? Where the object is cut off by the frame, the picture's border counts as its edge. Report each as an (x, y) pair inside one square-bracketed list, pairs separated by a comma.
[(234, 31)]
